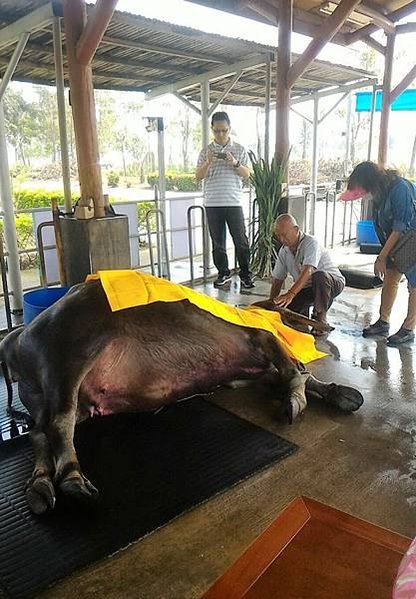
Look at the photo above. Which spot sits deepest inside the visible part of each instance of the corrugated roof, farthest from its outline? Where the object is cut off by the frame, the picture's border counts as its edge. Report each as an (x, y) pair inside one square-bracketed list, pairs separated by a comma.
[(141, 54), (309, 15)]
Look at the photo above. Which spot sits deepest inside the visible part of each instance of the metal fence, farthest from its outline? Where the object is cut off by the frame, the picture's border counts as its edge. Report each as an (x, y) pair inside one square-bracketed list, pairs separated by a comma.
[(333, 222)]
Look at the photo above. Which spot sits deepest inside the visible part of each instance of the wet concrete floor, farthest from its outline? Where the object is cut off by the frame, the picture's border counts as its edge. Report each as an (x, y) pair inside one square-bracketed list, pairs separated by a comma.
[(363, 463)]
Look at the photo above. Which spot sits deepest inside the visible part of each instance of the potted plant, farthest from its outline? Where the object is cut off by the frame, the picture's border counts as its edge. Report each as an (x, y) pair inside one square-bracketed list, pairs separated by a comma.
[(270, 190)]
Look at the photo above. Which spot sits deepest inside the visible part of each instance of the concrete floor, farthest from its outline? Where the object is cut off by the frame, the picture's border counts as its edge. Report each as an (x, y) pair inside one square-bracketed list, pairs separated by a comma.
[(362, 463)]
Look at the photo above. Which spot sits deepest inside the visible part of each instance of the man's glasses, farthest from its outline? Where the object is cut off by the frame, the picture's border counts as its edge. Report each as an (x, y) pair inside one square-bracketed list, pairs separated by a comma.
[(220, 130)]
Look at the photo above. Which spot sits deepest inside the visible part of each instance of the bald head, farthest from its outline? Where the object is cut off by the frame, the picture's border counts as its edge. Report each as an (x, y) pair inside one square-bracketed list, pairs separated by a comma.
[(286, 229)]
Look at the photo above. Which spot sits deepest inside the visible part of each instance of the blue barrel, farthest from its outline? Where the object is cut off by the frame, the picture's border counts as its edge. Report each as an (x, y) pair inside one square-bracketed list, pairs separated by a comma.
[(35, 302), (366, 232)]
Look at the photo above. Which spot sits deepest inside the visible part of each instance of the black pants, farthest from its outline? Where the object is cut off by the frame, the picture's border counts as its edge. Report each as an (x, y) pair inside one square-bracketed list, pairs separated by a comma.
[(218, 218), (320, 294)]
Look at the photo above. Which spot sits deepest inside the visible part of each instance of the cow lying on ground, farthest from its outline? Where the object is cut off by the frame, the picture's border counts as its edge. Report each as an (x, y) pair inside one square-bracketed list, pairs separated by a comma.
[(79, 359)]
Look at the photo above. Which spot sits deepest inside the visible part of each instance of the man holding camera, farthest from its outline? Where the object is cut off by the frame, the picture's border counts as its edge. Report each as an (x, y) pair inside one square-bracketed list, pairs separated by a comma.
[(223, 165)]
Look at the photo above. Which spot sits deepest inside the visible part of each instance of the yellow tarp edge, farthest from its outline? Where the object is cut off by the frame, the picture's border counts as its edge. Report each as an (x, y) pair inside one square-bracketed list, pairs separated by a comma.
[(128, 289)]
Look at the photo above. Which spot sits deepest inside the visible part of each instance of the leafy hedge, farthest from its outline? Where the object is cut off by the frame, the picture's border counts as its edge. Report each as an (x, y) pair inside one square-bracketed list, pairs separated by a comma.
[(175, 181), (26, 199)]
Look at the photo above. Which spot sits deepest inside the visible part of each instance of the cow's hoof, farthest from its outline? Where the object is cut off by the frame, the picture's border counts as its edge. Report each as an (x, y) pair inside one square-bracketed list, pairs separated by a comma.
[(40, 495), (345, 398), (79, 487)]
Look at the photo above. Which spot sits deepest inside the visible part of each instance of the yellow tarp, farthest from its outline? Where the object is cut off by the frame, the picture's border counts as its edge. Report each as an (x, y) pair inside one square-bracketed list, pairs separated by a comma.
[(128, 288)]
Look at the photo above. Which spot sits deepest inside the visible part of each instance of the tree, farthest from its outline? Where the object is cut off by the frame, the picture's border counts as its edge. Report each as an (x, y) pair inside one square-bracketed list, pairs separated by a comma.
[(21, 125)]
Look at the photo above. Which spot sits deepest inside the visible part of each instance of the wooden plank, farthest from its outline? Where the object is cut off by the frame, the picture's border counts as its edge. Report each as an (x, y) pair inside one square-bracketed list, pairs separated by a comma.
[(94, 30), (404, 84), (385, 106), (282, 87)]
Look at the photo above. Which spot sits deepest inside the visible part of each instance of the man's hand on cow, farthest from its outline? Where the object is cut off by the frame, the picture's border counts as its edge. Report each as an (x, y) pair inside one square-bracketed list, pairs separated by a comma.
[(380, 267), (284, 299)]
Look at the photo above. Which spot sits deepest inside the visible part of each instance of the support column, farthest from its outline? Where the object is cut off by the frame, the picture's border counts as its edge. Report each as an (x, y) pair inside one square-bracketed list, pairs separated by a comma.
[(370, 133), (282, 86), (348, 137), (205, 113), (60, 97), (385, 107), (315, 161), (83, 108), (267, 111), (10, 237)]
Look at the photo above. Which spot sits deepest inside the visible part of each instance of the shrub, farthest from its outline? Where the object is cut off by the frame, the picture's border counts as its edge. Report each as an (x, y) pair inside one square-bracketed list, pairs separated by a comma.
[(113, 179), (175, 181), (25, 199), (25, 239)]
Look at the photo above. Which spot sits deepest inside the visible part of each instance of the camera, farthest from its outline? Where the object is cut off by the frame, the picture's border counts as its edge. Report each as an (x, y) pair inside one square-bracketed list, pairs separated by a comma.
[(221, 155)]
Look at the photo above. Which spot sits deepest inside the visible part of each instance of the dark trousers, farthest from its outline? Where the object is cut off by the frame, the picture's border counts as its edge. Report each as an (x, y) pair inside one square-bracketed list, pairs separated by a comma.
[(320, 294), (232, 216)]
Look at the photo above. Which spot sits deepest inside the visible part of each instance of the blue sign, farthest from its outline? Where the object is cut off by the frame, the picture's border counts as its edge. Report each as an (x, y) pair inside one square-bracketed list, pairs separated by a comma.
[(406, 101)]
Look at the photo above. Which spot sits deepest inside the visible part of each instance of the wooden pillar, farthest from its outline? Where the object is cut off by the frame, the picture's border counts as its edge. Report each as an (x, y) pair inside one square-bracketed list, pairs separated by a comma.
[(282, 87), (83, 108), (385, 106)]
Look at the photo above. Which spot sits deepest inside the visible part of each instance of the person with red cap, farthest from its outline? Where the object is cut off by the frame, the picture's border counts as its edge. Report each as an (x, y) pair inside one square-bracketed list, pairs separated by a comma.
[(394, 214)]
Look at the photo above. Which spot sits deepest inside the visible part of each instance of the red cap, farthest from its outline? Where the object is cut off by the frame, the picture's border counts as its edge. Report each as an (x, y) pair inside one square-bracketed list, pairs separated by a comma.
[(353, 194)]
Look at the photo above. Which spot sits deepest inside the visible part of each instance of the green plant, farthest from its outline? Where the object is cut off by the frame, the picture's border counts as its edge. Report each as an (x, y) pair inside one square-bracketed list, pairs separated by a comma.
[(268, 182), (113, 179), (175, 181)]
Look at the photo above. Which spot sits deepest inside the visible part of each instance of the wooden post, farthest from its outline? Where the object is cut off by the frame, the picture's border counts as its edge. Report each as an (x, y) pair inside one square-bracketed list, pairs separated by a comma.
[(83, 108), (385, 106), (282, 87)]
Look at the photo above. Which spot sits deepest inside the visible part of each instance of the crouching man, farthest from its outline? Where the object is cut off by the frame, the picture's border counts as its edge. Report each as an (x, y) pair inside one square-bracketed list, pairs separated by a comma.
[(316, 280)]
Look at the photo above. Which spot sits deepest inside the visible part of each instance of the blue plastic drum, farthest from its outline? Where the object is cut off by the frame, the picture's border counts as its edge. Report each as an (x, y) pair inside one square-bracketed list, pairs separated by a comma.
[(366, 232), (35, 302)]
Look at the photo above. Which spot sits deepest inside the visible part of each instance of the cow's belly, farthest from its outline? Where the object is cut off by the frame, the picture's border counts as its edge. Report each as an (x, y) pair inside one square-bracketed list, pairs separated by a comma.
[(128, 376)]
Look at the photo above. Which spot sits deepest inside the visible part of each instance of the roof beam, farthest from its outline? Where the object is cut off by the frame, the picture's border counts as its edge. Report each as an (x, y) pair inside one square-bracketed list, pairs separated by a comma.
[(217, 73), (374, 44), (187, 102), (378, 18), (329, 28), (394, 16), (404, 84), (123, 43), (41, 17), (341, 89), (225, 92), (97, 23), (406, 28)]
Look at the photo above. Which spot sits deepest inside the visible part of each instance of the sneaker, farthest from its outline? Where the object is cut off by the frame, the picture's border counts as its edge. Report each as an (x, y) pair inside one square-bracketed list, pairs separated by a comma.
[(247, 282), (402, 336), (381, 327), (222, 280)]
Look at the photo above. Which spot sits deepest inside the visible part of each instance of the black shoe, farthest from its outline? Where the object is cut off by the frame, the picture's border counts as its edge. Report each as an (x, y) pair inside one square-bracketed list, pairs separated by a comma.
[(222, 280), (247, 282), (381, 327), (402, 336)]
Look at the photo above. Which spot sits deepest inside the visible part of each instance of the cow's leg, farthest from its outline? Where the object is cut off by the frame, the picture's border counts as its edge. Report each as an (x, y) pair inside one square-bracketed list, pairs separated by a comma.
[(68, 475), (290, 379), (40, 492), (343, 397)]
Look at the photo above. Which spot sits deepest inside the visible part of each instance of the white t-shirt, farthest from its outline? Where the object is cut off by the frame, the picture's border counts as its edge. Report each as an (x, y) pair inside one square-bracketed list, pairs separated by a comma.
[(308, 253)]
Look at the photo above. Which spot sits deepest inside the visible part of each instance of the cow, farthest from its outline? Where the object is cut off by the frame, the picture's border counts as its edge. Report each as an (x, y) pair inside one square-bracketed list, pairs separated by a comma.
[(79, 359)]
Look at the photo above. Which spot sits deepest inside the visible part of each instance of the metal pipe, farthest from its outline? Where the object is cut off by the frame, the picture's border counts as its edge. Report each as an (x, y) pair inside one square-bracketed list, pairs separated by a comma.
[(159, 214), (41, 251), (350, 228), (205, 113), (326, 217), (370, 133), (204, 242), (10, 235), (312, 196), (60, 98), (315, 159), (343, 223), (333, 218), (5, 287), (348, 137), (11, 67), (267, 110)]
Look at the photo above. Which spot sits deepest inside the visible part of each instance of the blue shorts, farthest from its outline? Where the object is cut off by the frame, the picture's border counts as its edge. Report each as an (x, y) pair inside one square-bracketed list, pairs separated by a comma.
[(411, 278)]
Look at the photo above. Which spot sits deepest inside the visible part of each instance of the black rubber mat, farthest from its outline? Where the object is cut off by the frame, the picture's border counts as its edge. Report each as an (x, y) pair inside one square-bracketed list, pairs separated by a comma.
[(148, 469)]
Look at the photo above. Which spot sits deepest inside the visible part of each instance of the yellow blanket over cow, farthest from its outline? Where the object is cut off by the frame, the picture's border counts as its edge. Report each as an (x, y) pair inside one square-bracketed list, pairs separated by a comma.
[(128, 288)]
